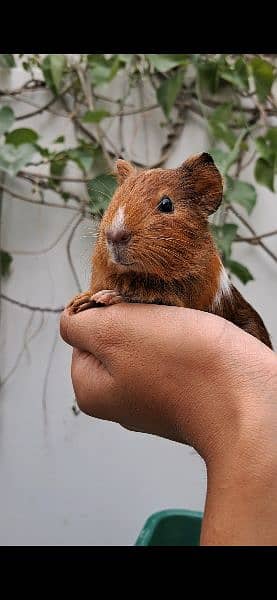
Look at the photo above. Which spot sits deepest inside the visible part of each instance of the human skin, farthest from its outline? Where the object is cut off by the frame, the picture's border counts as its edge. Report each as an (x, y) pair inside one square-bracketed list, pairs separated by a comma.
[(197, 379)]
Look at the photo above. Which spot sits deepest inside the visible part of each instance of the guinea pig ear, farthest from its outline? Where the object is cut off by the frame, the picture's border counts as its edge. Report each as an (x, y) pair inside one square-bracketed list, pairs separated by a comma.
[(123, 169), (204, 181)]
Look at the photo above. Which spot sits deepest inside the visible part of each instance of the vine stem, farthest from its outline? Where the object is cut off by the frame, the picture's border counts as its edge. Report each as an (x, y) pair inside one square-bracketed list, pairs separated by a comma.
[(250, 228), (30, 307)]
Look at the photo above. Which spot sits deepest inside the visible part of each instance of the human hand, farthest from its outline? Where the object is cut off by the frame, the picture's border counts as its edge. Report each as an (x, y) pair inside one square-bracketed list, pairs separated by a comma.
[(194, 378)]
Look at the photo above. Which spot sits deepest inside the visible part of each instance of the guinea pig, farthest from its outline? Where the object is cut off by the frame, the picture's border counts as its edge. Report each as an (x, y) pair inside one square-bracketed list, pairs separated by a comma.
[(154, 245)]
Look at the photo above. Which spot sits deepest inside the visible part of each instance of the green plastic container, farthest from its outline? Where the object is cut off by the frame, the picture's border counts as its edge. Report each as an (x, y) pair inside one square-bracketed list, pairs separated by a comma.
[(174, 527)]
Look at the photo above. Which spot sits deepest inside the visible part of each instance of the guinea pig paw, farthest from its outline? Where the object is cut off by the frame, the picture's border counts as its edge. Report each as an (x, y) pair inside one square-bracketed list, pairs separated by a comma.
[(107, 297), (80, 302)]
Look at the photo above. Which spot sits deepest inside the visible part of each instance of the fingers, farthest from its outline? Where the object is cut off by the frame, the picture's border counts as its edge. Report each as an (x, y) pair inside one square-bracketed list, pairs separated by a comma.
[(92, 383)]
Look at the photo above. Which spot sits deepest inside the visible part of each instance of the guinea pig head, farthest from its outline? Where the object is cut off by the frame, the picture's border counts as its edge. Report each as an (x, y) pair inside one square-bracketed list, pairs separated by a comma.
[(157, 221)]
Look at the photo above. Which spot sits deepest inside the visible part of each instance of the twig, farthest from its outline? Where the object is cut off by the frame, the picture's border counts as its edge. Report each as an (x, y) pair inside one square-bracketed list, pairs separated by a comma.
[(68, 246), (29, 307), (26, 86), (55, 177), (20, 354), (38, 202), (255, 239), (250, 228), (46, 106), (45, 250), (46, 377)]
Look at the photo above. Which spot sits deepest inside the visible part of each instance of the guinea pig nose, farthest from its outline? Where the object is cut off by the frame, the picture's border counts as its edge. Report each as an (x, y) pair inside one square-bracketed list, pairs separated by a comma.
[(118, 236)]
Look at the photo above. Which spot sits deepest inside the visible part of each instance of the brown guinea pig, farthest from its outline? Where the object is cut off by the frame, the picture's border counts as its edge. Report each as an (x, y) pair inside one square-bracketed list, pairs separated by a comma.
[(154, 245)]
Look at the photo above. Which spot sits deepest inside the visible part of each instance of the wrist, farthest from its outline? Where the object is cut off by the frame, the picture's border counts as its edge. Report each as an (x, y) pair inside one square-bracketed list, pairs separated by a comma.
[(241, 503)]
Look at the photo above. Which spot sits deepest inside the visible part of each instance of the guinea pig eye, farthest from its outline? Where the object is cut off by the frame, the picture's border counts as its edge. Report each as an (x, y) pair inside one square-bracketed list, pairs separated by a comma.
[(166, 205)]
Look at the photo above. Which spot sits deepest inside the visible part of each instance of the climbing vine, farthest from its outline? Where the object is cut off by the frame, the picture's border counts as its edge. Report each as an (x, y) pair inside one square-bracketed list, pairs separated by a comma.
[(232, 94)]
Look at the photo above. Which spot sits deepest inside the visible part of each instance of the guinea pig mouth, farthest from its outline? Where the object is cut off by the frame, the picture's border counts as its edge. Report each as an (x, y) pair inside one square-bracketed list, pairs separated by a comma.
[(118, 256)]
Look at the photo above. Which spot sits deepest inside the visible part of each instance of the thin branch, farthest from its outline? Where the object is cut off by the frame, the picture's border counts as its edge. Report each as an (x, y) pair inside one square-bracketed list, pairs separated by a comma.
[(45, 250), (46, 377), (68, 250), (255, 239), (37, 84), (46, 106), (29, 307), (86, 87), (20, 354), (55, 177), (38, 202), (250, 228)]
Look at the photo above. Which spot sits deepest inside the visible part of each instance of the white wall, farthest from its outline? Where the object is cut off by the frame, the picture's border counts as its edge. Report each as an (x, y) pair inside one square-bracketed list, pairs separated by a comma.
[(69, 480)]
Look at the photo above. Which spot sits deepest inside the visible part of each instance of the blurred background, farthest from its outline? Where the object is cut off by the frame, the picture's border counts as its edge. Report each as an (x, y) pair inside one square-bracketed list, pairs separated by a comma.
[(67, 479)]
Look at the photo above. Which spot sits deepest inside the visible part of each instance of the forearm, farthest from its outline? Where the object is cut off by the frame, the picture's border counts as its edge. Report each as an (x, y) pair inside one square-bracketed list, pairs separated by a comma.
[(241, 501)]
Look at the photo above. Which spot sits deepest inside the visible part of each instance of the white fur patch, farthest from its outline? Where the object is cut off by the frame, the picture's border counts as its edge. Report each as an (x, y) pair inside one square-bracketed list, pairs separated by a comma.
[(224, 289), (118, 221)]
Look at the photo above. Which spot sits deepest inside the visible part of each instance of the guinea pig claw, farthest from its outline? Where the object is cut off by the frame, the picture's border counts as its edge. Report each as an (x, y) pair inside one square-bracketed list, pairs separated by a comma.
[(107, 297), (80, 302)]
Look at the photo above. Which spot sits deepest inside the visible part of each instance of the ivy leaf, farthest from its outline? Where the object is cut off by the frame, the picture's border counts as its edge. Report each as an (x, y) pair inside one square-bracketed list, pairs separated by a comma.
[(83, 157), (6, 119), (218, 123), (13, 158), (242, 193), (168, 92), (224, 236), (264, 172), (103, 70), (165, 62), (43, 151), (21, 136), (240, 271), (59, 140), (236, 74), (101, 190), (208, 72), (263, 74), (53, 68), (95, 116), (7, 61), (5, 263), (58, 164), (220, 158)]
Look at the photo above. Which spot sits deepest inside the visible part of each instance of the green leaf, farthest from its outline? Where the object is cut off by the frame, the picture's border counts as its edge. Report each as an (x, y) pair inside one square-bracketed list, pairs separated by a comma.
[(58, 164), (263, 74), (6, 119), (13, 158), (125, 58), (43, 151), (168, 92), (208, 72), (5, 263), (220, 158), (83, 157), (101, 190), (103, 70), (95, 116), (7, 61), (224, 236), (242, 193), (165, 62), (236, 74), (53, 68), (264, 173), (59, 140), (21, 136), (218, 123), (65, 196), (240, 271), (233, 155)]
